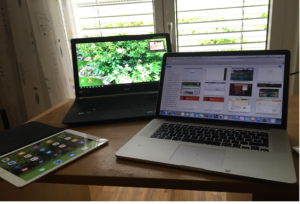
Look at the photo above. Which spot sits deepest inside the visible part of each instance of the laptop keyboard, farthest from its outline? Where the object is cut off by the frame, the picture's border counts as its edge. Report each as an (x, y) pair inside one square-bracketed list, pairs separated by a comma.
[(114, 103), (250, 140)]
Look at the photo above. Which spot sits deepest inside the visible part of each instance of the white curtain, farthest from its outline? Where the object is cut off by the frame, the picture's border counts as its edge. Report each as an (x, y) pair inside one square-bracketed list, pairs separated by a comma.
[(35, 63)]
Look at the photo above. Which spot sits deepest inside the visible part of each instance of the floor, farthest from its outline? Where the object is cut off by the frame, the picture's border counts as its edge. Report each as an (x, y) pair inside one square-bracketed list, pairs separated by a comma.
[(107, 193)]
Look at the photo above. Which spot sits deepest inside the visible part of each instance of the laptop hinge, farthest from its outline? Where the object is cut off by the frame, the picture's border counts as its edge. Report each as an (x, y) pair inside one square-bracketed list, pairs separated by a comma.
[(118, 95), (218, 123)]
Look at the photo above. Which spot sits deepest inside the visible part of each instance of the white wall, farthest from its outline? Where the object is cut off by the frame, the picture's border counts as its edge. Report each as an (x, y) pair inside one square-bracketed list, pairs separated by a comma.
[(284, 34)]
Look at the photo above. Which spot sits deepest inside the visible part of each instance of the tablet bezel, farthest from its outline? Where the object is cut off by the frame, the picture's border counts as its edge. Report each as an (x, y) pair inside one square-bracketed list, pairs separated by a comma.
[(17, 181)]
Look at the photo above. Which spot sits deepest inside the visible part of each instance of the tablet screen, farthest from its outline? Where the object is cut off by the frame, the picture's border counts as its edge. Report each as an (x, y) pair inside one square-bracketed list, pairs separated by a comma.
[(42, 156)]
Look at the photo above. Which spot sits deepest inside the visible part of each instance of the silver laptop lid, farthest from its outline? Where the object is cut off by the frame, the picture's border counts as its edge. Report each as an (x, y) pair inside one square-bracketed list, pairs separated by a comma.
[(242, 87)]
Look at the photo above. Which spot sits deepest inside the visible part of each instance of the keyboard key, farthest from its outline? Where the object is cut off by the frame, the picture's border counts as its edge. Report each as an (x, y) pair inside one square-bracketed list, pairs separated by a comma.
[(161, 137), (214, 143), (226, 144), (186, 140), (264, 150), (236, 146), (245, 148), (201, 138), (231, 138), (254, 148), (168, 138), (215, 136), (255, 144), (240, 136)]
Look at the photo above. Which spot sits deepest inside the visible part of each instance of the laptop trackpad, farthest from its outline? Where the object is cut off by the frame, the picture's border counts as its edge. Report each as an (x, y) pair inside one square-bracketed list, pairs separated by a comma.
[(198, 156)]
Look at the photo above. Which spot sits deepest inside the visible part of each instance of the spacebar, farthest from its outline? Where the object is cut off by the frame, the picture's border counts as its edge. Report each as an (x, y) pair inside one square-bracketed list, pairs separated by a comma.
[(201, 141)]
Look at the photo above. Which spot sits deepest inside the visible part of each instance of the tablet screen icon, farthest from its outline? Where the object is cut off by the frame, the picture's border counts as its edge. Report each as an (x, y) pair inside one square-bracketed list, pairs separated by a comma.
[(42, 169), (5, 160), (25, 169), (49, 152), (21, 153), (27, 155), (17, 167), (62, 146), (57, 162), (34, 158), (11, 163), (72, 155)]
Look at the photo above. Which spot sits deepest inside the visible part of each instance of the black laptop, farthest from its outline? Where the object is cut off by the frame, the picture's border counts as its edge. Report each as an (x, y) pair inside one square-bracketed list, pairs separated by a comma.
[(116, 77)]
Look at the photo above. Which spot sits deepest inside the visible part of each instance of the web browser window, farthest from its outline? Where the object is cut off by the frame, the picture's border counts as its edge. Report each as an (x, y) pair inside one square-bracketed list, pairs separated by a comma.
[(241, 88)]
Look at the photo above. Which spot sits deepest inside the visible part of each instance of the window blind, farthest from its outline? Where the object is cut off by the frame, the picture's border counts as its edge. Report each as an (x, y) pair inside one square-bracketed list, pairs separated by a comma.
[(99, 18), (218, 25)]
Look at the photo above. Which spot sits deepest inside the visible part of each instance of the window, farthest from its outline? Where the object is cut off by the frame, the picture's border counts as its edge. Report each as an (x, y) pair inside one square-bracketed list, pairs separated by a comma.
[(198, 25), (218, 25), (99, 18)]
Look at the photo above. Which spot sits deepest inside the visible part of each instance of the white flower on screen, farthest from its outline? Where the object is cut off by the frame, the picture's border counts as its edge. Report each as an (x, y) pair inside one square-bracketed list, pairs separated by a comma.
[(120, 50)]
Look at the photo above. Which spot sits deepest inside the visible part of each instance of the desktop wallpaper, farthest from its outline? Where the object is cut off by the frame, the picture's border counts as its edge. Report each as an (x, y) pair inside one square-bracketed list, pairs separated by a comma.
[(120, 62)]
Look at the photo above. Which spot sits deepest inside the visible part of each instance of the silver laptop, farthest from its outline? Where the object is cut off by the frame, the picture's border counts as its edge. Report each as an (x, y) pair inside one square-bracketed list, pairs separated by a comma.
[(220, 112)]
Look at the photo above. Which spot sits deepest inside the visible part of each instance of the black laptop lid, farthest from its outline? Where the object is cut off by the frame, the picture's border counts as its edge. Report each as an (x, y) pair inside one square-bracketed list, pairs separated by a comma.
[(118, 64), (246, 88)]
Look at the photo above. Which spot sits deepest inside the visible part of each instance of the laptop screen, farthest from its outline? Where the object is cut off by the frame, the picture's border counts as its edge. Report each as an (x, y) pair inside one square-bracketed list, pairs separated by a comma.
[(244, 88), (119, 60)]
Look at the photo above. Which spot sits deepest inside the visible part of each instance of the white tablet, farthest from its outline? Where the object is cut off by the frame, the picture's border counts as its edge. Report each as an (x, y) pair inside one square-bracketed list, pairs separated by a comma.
[(25, 165)]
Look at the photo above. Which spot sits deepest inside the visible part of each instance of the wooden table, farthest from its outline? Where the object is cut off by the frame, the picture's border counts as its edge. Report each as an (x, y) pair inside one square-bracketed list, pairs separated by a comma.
[(101, 167)]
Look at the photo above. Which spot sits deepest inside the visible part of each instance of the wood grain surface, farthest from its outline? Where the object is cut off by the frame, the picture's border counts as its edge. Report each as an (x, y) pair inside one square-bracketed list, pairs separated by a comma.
[(101, 167)]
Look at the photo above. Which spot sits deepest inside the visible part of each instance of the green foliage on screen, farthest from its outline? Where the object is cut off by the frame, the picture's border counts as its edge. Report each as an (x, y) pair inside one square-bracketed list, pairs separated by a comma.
[(118, 62)]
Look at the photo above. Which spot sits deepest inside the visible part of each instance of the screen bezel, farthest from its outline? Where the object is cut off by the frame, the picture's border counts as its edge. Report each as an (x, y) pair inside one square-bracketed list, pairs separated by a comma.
[(116, 88), (283, 124), (19, 182)]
